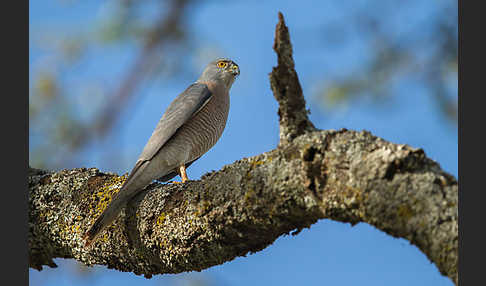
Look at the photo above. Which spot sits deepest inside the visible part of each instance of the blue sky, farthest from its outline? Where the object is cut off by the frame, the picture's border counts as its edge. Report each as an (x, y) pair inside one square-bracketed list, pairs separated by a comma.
[(329, 252)]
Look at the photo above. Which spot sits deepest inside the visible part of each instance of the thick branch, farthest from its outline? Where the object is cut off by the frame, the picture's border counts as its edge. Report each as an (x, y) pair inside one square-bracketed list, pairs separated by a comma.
[(341, 175)]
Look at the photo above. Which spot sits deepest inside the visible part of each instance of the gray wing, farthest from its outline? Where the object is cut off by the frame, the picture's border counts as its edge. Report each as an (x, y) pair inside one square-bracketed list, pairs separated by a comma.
[(185, 105)]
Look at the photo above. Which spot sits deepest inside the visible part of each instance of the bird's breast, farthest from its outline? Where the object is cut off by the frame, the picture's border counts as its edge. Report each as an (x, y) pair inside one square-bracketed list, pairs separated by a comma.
[(203, 130)]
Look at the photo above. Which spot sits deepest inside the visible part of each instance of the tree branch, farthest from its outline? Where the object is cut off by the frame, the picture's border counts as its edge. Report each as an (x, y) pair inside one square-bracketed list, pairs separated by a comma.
[(343, 175), (286, 88)]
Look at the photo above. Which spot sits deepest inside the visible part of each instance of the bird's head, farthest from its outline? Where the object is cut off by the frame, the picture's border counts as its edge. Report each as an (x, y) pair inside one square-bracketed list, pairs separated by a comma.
[(221, 69)]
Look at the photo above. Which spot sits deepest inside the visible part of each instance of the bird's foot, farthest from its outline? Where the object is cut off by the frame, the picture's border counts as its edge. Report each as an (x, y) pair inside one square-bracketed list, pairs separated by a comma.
[(182, 182)]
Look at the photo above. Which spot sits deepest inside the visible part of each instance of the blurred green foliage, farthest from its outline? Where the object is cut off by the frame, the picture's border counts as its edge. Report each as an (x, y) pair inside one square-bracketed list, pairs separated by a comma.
[(428, 55)]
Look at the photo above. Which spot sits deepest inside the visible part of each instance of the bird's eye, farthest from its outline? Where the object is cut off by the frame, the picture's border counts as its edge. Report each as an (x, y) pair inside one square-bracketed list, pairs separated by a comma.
[(221, 64)]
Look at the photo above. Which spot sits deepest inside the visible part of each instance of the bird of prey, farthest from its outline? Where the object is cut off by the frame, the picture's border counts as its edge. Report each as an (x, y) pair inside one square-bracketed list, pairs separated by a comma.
[(190, 126)]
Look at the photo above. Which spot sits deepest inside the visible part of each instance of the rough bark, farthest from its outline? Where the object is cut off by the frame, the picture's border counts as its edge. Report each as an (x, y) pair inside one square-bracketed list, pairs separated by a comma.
[(342, 175)]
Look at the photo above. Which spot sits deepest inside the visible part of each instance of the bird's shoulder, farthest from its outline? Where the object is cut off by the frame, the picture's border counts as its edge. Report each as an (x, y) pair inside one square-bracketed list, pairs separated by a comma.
[(190, 99)]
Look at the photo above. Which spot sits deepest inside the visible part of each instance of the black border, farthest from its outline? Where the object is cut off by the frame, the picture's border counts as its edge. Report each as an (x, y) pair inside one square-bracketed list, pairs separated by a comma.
[(471, 144), (15, 118)]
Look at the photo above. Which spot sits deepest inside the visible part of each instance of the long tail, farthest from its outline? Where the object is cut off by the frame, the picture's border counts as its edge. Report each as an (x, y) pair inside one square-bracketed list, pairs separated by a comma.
[(105, 219)]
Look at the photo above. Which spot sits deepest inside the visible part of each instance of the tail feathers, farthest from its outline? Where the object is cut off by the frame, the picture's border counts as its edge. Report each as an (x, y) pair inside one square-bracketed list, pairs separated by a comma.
[(104, 220)]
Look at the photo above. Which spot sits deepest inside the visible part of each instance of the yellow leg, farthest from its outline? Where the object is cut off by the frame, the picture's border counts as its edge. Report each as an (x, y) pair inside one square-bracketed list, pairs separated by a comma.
[(182, 173)]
